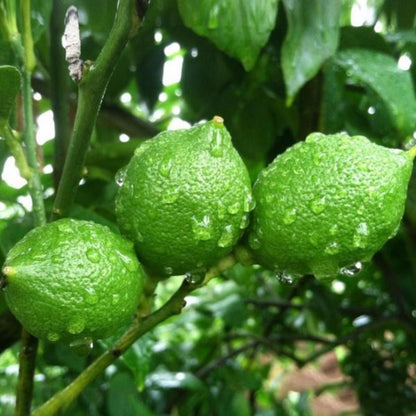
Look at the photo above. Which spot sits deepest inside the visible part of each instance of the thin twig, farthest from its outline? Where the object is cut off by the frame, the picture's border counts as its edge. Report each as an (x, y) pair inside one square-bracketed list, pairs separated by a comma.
[(90, 94)]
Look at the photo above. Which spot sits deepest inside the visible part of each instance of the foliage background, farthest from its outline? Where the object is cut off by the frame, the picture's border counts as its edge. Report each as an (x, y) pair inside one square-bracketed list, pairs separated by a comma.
[(275, 72)]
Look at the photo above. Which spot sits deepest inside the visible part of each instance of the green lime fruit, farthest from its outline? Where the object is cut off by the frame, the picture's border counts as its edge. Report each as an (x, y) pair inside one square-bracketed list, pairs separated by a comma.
[(328, 203), (72, 280), (184, 199)]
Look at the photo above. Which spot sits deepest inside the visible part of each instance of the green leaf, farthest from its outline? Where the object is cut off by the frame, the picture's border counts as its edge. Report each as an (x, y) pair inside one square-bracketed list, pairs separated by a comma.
[(9, 87), (238, 27), (312, 37), (379, 72)]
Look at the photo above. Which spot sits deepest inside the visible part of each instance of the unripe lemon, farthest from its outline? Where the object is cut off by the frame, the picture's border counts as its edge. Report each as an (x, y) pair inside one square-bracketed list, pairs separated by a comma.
[(185, 199), (71, 280), (327, 203)]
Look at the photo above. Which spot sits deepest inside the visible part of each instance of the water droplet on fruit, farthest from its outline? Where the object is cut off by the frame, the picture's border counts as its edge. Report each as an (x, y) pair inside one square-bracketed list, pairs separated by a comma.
[(165, 167), (245, 219), (227, 237), (202, 229), (76, 326), (53, 336), (334, 229), (91, 296), (233, 208), (352, 269), (115, 299), (314, 239), (130, 264), (213, 17), (194, 278), (314, 138), (249, 203), (290, 216), (216, 148), (82, 346), (284, 277), (318, 205), (221, 210), (360, 238), (139, 237), (93, 255), (170, 196), (254, 241), (120, 176), (168, 270), (57, 259), (332, 248)]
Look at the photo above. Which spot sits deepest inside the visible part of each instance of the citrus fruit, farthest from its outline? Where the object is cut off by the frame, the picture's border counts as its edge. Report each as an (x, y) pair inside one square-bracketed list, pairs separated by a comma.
[(72, 279), (185, 198), (327, 203)]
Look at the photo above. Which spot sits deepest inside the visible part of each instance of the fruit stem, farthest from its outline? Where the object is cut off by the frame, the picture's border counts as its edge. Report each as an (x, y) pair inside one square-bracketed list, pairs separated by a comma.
[(174, 306)]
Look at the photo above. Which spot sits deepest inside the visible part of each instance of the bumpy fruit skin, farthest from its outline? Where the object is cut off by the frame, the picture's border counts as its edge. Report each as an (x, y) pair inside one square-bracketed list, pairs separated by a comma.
[(185, 199), (71, 280), (327, 203)]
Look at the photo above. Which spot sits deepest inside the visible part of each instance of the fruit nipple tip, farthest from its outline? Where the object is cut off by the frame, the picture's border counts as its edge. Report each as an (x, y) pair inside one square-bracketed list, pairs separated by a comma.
[(218, 121), (412, 152), (9, 271)]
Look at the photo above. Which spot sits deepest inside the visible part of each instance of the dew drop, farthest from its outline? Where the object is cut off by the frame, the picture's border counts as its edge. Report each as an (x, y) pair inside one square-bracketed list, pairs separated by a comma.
[(334, 229), (234, 208), (213, 17), (130, 264), (361, 234), (168, 270), (165, 168), (254, 241), (91, 296), (227, 237), (284, 277), (314, 239), (76, 327), (120, 176), (82, 346), (332, 248), (249, 203), (351, 270), (202, 229), (115, 299), (289, 217), (221, 210), (93, 255), (139, 237), (194, 278), (53, 336), (318, 205), (170, 196), (57, 259), (317, 159), (245, 219), (216, 148)]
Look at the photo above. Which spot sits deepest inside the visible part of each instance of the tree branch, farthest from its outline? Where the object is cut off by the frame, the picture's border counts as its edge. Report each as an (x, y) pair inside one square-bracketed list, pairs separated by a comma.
[(90, 94)]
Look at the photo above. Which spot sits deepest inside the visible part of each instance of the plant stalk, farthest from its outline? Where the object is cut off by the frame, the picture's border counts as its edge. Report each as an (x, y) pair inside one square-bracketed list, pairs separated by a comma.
[(91, 92), (29, 344)]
